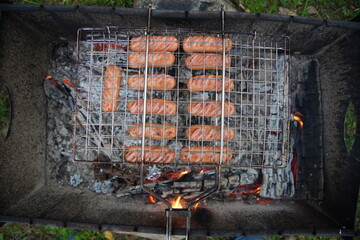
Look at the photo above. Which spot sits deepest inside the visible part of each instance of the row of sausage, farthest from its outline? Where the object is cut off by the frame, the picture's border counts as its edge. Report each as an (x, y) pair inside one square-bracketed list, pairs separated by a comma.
[(209, 108), (160, 48), (196, 133), (164, 155)]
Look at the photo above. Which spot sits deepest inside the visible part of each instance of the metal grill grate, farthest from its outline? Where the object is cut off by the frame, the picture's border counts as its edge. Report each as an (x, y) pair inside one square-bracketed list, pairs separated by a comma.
[(259, 69)]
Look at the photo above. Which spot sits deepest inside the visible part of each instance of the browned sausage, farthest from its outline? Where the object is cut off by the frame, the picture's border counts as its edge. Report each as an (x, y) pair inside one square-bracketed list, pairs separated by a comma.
[(160, 82), (199, 44), (205, 154), (153, 131), (209, 133), (210, 108), (200, 61), (156, 60), (208, 83), (110, 95), (156, 44), (152, 154), (153, 106)]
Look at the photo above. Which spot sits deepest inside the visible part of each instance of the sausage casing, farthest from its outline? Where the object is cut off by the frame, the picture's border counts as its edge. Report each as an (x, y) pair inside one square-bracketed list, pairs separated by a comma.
[(209, 133), (208, 83), (110, 94), (153, 154), (153, 131), (156, 60), (205, 154), (160, 82), (210, 108), (200, 61), (153, 106), (156, 44), (211, 44)]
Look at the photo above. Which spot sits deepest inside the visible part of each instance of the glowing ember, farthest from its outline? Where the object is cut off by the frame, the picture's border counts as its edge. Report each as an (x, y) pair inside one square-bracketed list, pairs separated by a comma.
[(184, 172), (68, 83), (168, 176), (298, 119), (177, 203), (205, 170), (152, 199), (196, 206)]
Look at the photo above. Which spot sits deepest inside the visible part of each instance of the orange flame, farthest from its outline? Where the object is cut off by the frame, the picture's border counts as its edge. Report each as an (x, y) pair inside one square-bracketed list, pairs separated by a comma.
[(184, 172), (202, 170), (196, 206), (152, 199), (298, 119), (68, 83), (177, 203)]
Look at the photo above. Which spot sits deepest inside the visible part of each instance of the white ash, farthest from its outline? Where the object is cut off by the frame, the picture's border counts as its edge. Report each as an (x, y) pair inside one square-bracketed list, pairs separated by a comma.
[(153, 172), (75, 180), (103, 187), (247, 152)]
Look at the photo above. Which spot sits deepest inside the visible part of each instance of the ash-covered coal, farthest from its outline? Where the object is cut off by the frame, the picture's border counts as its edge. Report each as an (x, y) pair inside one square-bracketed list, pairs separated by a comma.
[(258, 122)]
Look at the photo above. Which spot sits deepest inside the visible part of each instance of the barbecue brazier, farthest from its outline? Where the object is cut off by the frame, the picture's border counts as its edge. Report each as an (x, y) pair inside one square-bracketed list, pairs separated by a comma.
[(323, 79)]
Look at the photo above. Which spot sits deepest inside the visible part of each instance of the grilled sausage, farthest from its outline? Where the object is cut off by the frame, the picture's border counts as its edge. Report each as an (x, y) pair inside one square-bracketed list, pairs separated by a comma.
[(200, 61), (110, 95), (156, 44), (205, 154), (156, 60), (160, 82), (209, 133), (152, 154), (153, 106), (208, 83), (153, 131), (199, 44), (210, 108)]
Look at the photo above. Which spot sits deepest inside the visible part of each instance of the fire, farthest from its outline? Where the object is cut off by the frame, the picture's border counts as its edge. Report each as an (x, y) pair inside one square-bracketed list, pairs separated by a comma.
[(67, 82), (177, 203), (298, 119), (196, 206), (152, 199), (205, 170), (168, 176), (184, 172)]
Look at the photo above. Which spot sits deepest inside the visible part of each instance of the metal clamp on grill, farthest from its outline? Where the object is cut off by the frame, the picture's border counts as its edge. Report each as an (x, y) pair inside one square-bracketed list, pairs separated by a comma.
[(221, 101)]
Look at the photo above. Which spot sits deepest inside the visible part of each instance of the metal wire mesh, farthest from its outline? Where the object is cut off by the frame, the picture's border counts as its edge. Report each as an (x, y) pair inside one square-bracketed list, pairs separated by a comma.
[(257, 132)]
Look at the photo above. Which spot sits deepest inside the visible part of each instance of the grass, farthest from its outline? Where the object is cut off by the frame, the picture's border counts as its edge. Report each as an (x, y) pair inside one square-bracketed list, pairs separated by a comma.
[(336, 10), (350, 127), (25, 231), (4, 113)]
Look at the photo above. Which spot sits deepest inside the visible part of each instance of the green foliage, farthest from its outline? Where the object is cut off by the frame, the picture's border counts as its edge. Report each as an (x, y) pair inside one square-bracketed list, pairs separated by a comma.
[(109, 3), (336, 10), (25, 231), (4, 112), (350, 127), (302, 238)]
